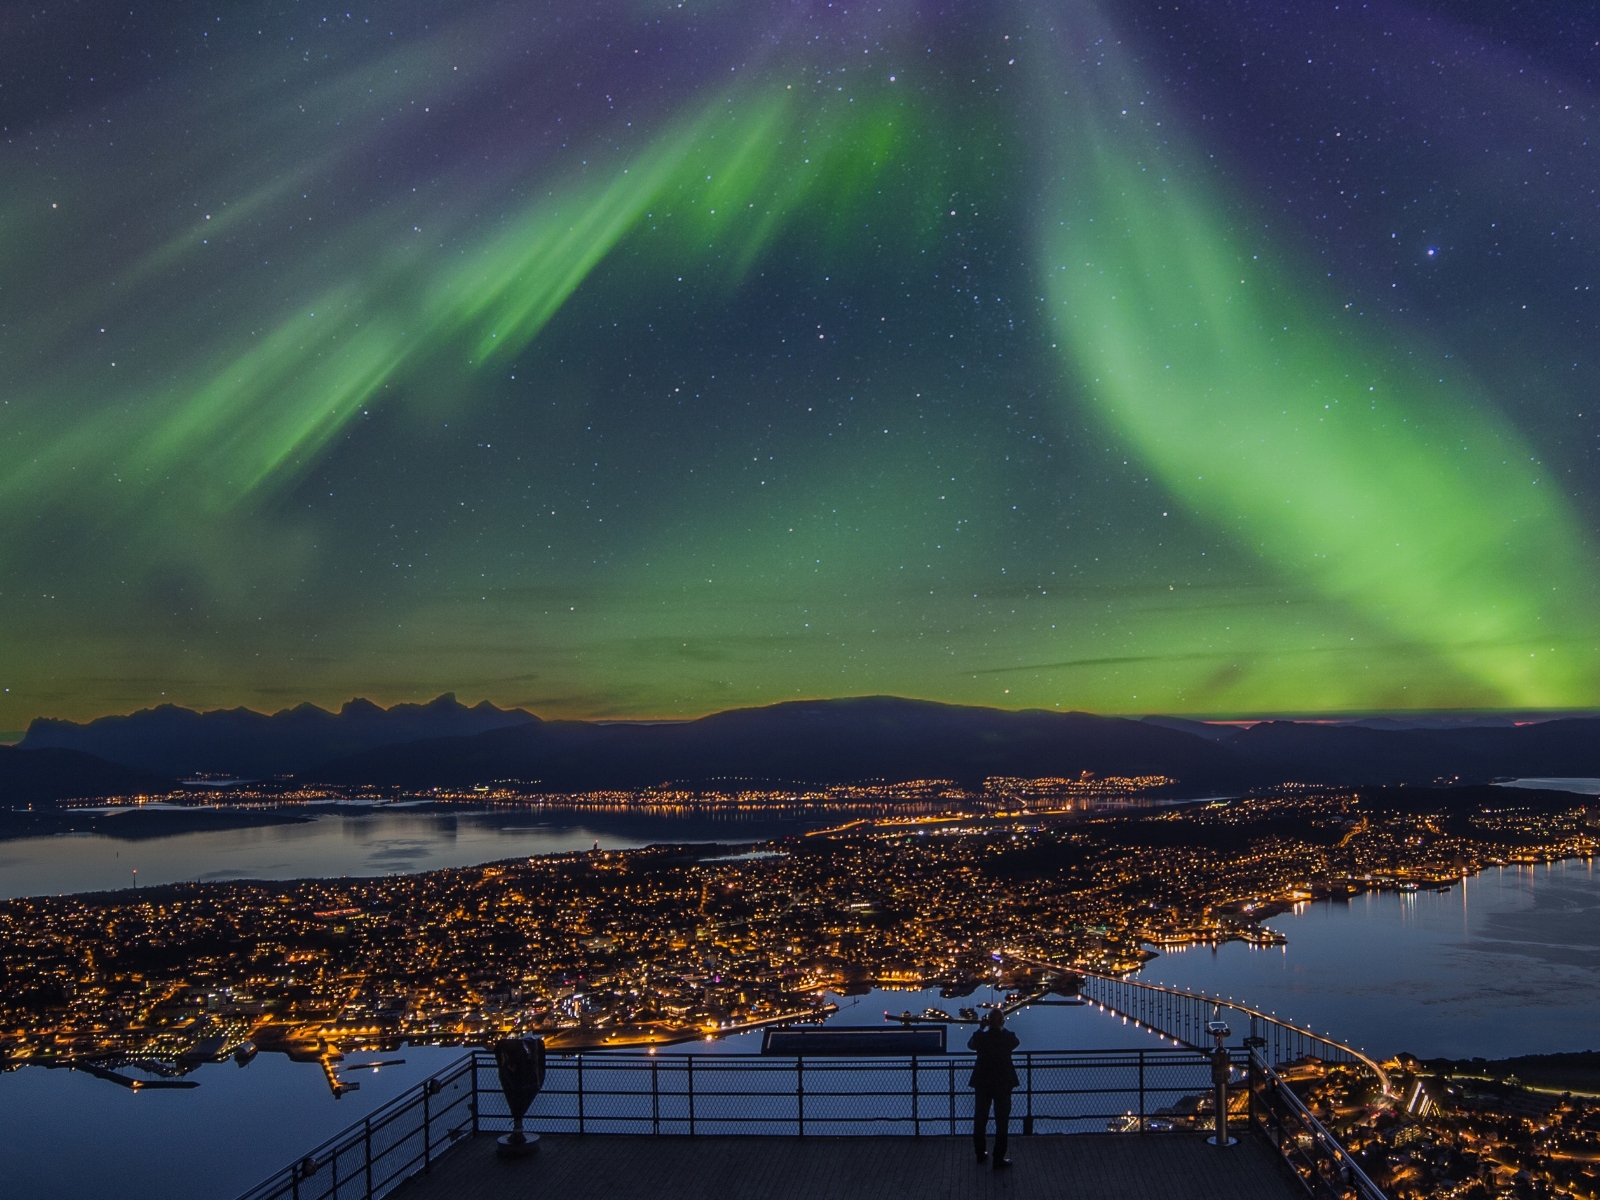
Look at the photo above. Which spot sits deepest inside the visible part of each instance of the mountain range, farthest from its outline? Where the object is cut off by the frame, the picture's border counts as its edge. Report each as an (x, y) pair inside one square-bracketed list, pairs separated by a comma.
[(445, 743), (244, 744)]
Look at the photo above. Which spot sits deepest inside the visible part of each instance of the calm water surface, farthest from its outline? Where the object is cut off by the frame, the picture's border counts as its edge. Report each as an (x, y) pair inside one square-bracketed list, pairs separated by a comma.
[(356, 841), (1505, 963)]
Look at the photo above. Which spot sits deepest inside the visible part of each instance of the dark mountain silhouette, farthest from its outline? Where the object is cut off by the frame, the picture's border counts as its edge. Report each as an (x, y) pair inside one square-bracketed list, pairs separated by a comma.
[(1211, 731), (847, 741), (43, 777), (895, 740), (1351, 754), (179, 741), (811, 742), (803, 742), (1427, 721)]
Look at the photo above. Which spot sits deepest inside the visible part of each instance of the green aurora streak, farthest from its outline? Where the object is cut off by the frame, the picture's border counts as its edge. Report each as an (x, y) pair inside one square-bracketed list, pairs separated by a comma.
[(1407, 499)]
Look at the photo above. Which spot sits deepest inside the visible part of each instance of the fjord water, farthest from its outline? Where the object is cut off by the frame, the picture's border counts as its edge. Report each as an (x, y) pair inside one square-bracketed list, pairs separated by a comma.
[(357, 841), (1504, 963)]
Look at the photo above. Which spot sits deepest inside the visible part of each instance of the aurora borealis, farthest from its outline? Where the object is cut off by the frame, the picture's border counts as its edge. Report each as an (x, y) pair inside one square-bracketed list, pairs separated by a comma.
[(648, 359)]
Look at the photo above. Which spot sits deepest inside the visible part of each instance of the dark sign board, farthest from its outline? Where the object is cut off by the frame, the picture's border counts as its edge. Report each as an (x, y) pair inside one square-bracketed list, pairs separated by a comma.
[(854, 1043)]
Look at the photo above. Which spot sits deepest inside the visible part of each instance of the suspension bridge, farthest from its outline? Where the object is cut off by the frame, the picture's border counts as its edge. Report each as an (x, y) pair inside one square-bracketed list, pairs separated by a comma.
[(1184, 1017)]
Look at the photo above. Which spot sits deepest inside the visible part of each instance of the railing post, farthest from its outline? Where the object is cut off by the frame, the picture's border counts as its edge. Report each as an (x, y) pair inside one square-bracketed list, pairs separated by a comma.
[(1141, 1092), (427, 1129), (580, 1093), (474, 1095), (367, 1131), (952, 1067), (800, 1092), (916, 1116), (691, 1094), (1277, 1115), (1027, 1119), (1250, 1083), (655, 1096)]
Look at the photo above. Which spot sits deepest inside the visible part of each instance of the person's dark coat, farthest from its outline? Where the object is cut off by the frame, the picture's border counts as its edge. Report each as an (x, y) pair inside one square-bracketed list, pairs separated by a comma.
[(993, 1071)]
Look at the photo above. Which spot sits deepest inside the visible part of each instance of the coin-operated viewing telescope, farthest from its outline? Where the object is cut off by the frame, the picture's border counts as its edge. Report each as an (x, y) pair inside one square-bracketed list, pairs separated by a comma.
[(521, 1064), (1221, 1069)]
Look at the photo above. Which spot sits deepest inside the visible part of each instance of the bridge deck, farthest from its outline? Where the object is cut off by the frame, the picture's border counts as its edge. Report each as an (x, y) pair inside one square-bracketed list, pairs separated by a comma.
[(1104, 1166)]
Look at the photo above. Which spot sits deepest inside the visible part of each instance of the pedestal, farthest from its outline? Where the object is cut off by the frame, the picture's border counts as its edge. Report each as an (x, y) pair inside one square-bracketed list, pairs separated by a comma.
[(517, 1145)]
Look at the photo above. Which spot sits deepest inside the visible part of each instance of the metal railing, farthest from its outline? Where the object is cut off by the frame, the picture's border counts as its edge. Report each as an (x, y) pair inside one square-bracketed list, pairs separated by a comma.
[(1316, 1157), (1068, 1091), (383, 1150), (630, 1092)]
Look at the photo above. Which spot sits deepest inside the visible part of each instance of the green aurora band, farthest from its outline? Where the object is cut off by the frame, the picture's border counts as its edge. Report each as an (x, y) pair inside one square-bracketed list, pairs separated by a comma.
[(741, 398), (1406, 499), (250, 421)]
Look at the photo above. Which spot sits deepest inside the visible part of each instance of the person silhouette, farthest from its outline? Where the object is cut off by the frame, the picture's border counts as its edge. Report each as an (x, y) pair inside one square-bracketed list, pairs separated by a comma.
[(992, 1081)]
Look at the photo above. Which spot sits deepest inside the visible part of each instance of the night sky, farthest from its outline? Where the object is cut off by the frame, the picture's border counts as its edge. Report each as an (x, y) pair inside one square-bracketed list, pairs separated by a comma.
[(647, 359)]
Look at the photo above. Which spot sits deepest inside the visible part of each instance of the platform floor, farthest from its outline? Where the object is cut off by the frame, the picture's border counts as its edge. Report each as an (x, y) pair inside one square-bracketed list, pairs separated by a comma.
[(1170, 1166)]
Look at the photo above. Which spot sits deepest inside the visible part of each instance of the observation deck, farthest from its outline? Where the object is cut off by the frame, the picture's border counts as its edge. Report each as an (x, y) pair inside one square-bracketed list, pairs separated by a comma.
[(1105, 1166), (685, 1126)]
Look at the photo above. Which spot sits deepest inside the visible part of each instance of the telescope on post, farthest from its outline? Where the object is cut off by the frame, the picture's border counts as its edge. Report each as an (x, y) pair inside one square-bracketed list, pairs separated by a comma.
[(521, 1067), (1221, 1070)]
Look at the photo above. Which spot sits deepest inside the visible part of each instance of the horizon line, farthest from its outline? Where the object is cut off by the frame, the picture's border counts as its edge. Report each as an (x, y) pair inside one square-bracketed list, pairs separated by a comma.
[(1241, 718)]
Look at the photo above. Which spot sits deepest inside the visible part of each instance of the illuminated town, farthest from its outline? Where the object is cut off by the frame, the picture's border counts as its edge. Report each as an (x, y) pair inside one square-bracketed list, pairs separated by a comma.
[(670, 943), (673, 943)]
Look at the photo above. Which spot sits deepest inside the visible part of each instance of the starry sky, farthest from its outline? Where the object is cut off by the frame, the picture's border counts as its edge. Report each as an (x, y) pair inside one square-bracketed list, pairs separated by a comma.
[(646, 359)]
